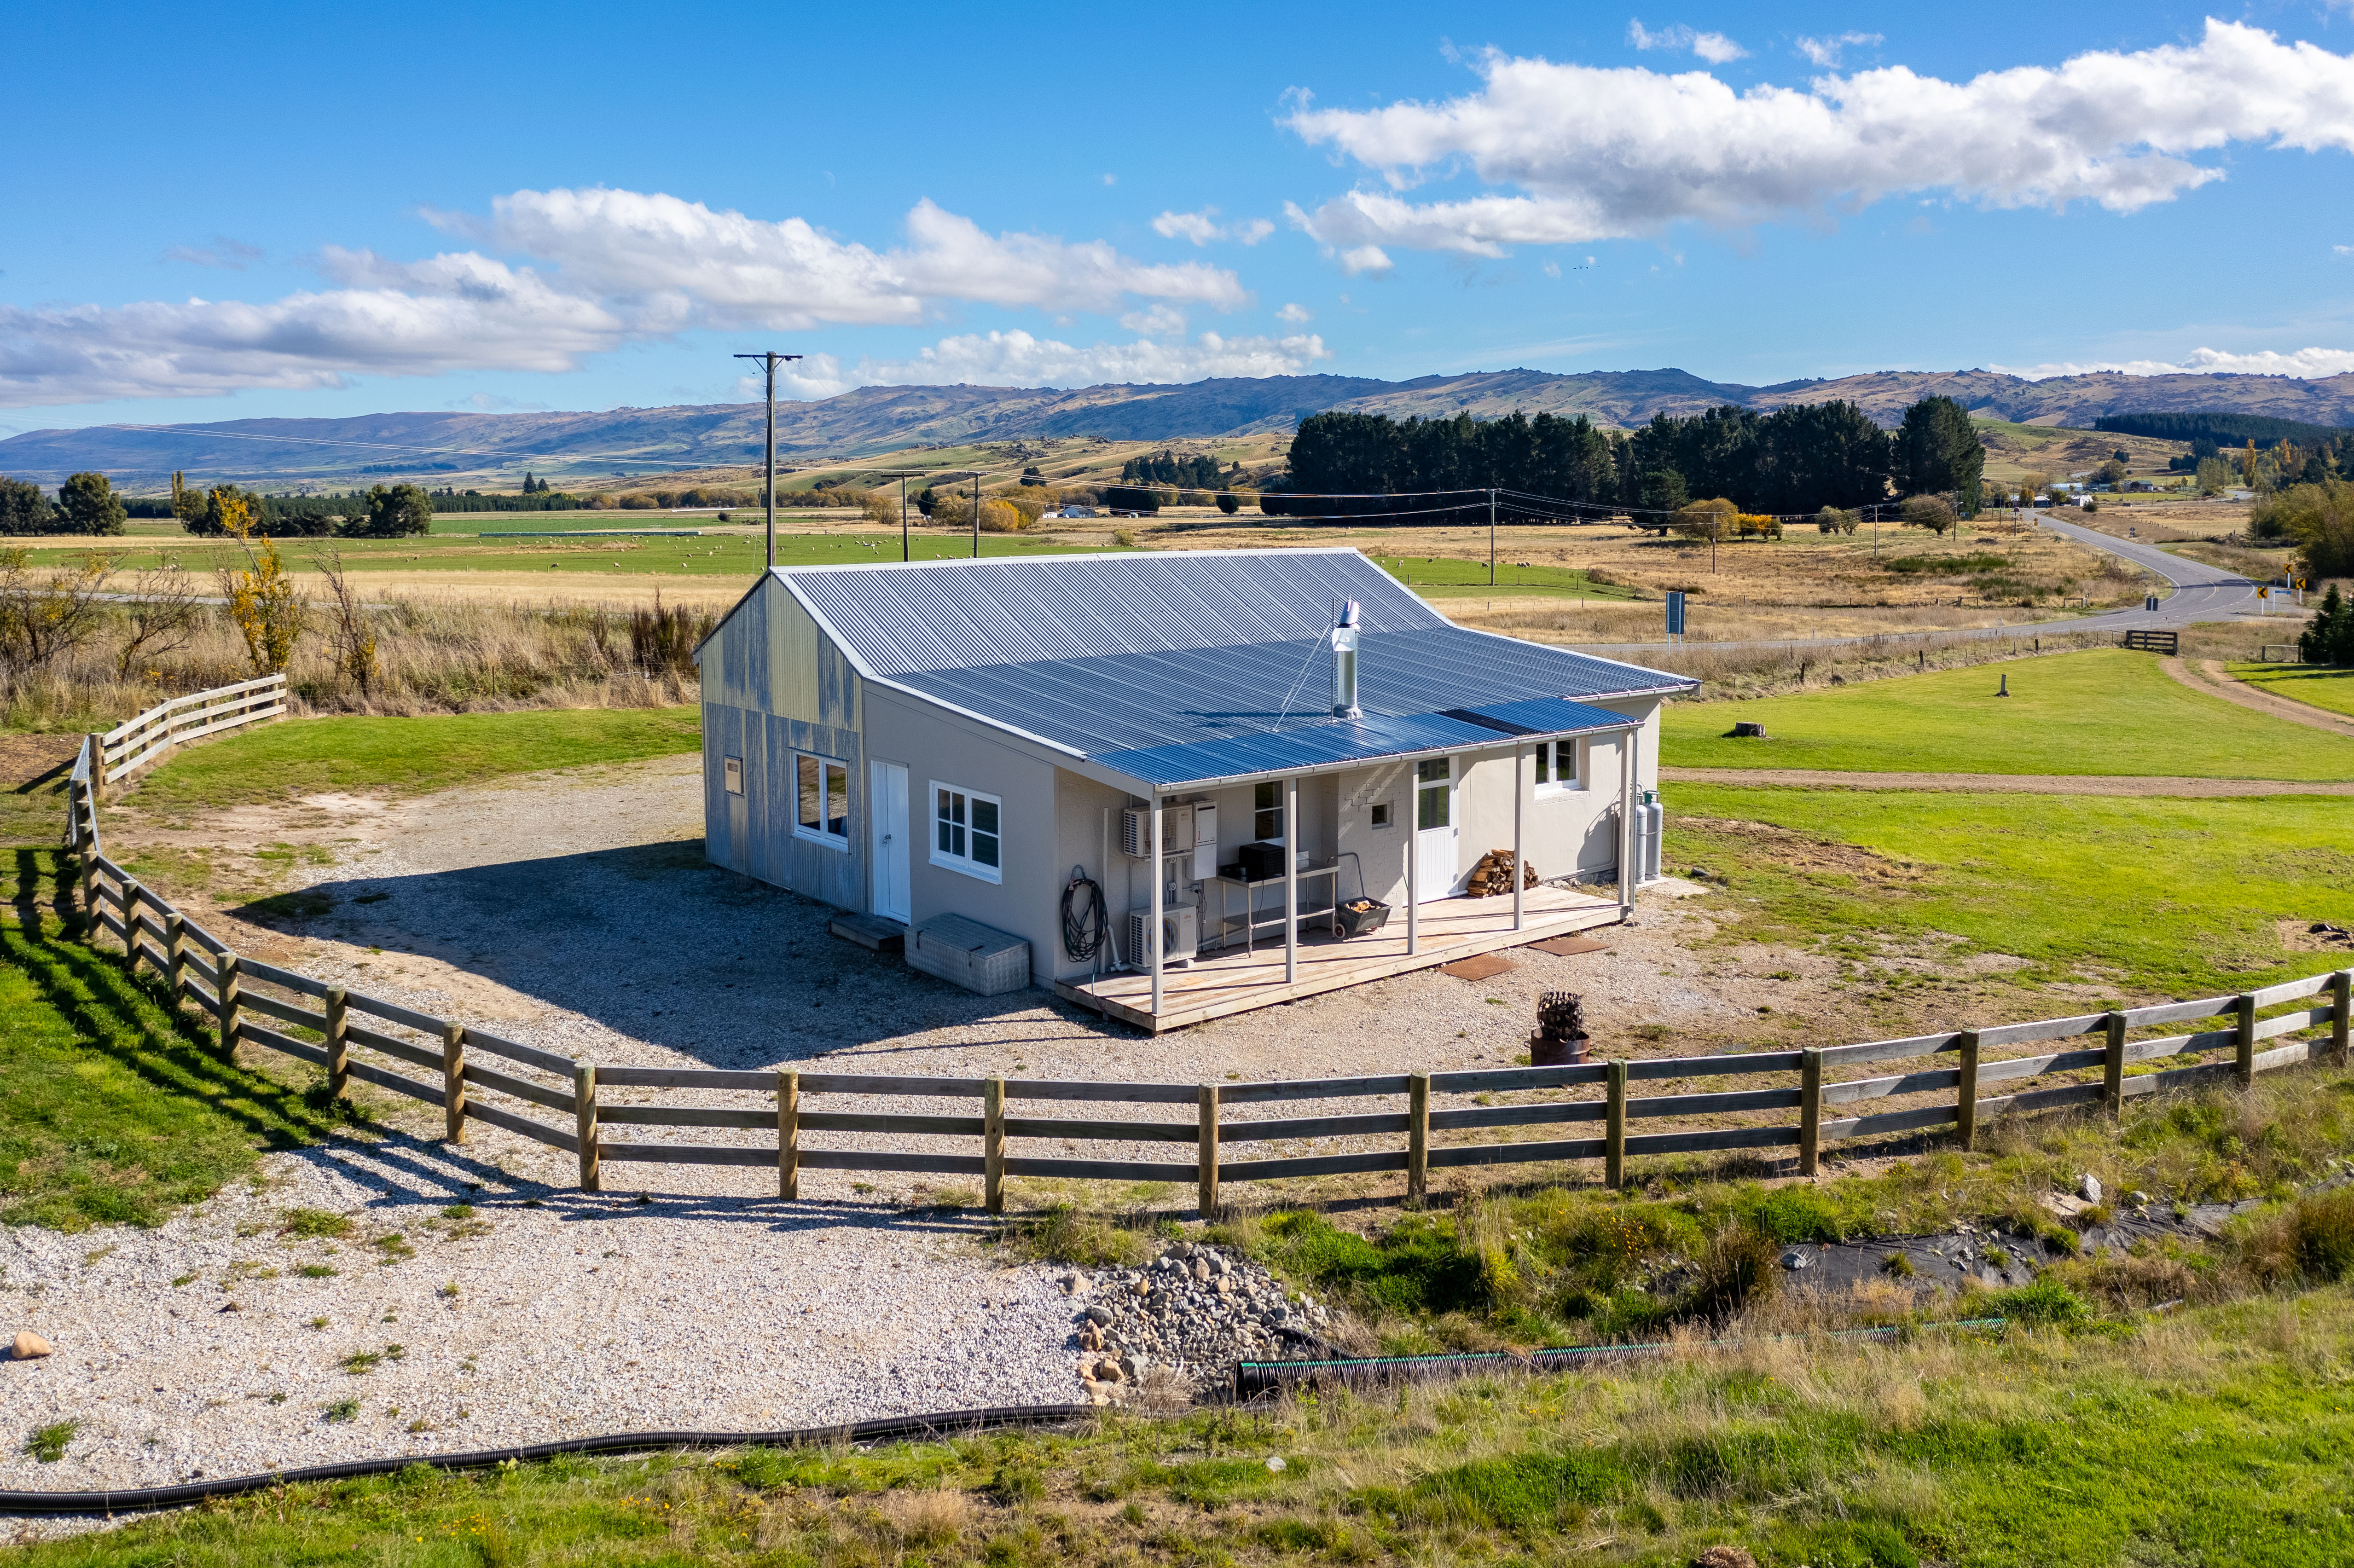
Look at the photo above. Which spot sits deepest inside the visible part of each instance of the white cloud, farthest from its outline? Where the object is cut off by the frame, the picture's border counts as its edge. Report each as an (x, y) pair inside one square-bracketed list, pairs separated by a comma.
[(1252, 232), (1298, 315), (1364, 259), (1713, 48), (452, 312), (2305, 363), (1825, 52), (228, 255), (1550, 269), (1595, 153), (1160, 321), (1020, 359), (618, 267), (2342, 250), (1198, 226)]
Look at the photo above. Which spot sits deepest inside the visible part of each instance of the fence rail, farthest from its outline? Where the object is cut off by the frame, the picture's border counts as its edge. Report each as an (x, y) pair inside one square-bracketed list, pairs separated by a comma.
[(138, 741), (440, 1062)]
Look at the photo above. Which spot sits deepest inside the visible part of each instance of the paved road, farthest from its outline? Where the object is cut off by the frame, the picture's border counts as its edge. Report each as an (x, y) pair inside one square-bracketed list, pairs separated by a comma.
[(2201, 593)]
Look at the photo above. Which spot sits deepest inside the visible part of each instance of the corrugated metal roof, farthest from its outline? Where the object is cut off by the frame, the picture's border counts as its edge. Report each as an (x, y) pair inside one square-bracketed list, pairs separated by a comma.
[(1204, 660)]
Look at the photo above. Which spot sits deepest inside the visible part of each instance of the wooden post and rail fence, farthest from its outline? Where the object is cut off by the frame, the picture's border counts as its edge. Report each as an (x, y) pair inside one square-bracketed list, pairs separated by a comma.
[(350, 1035)]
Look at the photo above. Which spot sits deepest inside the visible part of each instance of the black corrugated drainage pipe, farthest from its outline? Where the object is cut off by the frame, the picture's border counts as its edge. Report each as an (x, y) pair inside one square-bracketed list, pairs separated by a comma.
[(947, 1424), (1255, 1379)]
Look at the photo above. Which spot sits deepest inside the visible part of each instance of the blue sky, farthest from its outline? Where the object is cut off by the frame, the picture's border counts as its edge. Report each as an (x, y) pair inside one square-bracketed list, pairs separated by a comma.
[(339, 210)]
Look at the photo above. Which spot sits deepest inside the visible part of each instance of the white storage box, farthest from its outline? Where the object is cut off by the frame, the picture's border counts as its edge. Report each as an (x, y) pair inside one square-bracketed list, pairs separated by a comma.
[(967, 953)]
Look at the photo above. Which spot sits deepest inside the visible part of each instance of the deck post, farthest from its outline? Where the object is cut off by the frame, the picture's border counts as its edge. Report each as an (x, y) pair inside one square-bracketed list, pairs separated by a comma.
[(1206, 1152), (584, 1122), (1291, 880), (2112, 1066), (1152, 932), (339, 1042), (992, 1141), (453, 1082), (1413, 864), (1417, 1138), (1614, 1126), (2341, 1000), (1965, 1105), (2245, 1037), (1626, 869), (1521, 785)]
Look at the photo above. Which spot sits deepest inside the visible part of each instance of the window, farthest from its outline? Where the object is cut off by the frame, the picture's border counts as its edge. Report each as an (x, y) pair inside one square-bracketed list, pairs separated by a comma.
[(1557, 766), (1381, 815), (822, 799), (1433, 805), (965, 832), (1266, 810)]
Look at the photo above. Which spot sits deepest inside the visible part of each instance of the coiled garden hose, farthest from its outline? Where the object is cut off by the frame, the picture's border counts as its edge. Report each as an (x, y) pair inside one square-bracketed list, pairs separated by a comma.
[(1086, 921)]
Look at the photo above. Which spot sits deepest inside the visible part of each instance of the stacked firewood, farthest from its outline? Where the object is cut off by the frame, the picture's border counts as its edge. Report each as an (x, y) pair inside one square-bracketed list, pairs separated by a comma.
[(1493, 874)]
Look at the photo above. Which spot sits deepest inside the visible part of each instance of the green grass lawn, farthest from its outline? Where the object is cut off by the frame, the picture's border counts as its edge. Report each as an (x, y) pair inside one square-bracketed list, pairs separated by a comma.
[(2327, 686), (2152, 896), (1447, 577), (2215, 1436), (411, 755), (114, 1108), (2106, 711)]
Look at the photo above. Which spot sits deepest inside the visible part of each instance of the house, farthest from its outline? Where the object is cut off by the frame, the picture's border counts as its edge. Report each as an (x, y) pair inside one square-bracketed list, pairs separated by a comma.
[(968, 737)]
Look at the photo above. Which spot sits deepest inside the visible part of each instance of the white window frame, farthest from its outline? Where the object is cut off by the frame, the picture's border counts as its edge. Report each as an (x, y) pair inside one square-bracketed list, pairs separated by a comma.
[(963, 863), (1557, 785), (820, 834)]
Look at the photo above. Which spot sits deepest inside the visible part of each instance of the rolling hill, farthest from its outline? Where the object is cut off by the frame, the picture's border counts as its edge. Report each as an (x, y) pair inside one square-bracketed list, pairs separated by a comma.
[(871, 419)]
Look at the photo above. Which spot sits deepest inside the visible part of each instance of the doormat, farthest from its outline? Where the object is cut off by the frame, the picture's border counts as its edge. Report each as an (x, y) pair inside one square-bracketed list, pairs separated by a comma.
[(1483, 966), (1569, 947)]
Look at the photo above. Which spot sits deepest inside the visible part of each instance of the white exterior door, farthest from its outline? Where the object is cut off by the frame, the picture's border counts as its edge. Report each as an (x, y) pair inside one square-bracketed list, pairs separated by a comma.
[(886, 832), (1435, 830)]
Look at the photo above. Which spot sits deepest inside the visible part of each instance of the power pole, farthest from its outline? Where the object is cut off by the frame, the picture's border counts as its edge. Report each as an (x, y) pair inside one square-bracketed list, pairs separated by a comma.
[(976, 516), (1491, 538), (903, 475), (771, 360)]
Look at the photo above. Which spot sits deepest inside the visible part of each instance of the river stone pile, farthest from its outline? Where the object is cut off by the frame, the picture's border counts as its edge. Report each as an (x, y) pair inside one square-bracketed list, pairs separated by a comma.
[(1190, 1314)]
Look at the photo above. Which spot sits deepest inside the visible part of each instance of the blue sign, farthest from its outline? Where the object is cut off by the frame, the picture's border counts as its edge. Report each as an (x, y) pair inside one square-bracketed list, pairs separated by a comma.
[(1675, 612)]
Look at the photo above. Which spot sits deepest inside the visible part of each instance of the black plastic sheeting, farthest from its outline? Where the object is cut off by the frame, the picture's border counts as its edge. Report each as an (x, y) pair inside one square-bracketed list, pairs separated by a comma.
[(1257, 1380), (947, 1424)]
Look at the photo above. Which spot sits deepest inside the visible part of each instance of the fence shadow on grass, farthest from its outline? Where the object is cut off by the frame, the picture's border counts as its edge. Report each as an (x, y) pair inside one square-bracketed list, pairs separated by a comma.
[(656, 945)]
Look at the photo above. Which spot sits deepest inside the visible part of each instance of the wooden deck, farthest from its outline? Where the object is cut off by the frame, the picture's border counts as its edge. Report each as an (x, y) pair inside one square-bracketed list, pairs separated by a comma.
[(1230, 981)]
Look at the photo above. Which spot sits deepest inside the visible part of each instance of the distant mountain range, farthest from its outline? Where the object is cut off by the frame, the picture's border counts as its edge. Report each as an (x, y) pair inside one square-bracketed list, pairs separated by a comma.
[(448, 448)]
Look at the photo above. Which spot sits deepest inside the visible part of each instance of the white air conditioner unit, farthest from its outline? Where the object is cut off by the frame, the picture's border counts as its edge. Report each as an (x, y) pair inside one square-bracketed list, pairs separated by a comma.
[(1136, 831), (1181, 930)]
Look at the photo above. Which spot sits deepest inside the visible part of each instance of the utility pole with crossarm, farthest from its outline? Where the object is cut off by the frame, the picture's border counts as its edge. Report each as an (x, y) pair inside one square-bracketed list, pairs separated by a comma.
[(771, 360)]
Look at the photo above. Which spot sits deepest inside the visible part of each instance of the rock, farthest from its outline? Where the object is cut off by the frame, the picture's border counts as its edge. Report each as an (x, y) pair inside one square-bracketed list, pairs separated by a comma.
[(1098, 1315), (1201, 1270), (1110, 1370), (29, 1346), (1724, 1557), (1071, 1284), (2088, 1186), (1275, 1462), (1794, 1259)]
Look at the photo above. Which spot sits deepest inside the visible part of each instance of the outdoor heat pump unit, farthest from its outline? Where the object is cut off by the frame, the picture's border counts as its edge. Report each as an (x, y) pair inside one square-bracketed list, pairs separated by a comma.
[(1181, 935), (1176, 831)]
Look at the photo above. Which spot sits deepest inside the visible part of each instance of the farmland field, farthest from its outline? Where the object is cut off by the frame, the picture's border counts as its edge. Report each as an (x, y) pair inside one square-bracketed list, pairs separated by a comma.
[(2101, 711)]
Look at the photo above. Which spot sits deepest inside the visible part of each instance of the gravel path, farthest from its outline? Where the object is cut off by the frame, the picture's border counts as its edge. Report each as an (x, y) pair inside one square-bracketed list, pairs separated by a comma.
[(2208, 676), (2003, 783), (199, 1348)]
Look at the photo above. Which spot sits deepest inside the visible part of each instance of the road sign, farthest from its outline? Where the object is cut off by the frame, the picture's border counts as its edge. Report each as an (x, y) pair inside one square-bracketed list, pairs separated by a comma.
[(2265, 592), (1675, 612)]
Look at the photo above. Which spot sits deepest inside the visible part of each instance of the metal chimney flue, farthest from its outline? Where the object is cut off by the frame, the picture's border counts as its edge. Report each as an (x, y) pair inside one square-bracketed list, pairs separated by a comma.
[(1344, 663)]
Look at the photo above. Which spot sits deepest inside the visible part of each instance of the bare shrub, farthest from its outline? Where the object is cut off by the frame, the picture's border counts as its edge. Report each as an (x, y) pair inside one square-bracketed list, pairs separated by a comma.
[(46, 616), (663, 641), (162, 617)]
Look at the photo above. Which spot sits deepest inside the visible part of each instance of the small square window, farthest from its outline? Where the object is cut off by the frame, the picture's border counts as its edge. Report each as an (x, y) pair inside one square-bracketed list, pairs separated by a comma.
[(1267, 810), (1434, 769), (1382, 814), (966, 832), (822, 799)]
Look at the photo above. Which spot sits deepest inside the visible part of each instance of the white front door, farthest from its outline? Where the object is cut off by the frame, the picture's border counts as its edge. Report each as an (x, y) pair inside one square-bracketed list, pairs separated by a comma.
[(1434, 828), (886, 832)]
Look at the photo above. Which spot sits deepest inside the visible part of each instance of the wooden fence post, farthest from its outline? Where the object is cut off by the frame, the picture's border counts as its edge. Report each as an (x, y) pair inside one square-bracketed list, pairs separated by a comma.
[(90, 887), (97, 772), (1206, 1151), (126, 903), (2245, 1037), (1965, 1108), (229, 995), (453, 1082), (175, 955), (2113, 1067), (1810, 1110), (339, 1044), (584, 1116), (788, 1136), (1417, 1137), (993, 1145), (1614, 1153), (2341, 999)]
